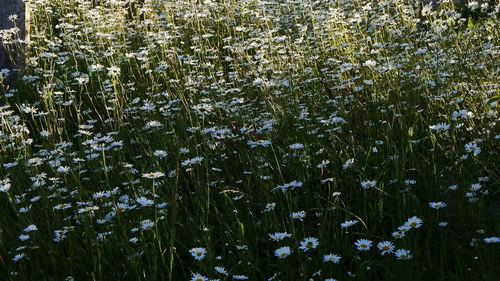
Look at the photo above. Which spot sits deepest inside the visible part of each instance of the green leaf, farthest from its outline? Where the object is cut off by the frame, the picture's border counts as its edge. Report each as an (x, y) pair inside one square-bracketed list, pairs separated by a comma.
[(494, 99), (470, 23)]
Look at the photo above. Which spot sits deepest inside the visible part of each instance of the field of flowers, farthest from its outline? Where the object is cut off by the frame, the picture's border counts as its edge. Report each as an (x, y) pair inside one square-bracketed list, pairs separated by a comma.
[(252, 140)]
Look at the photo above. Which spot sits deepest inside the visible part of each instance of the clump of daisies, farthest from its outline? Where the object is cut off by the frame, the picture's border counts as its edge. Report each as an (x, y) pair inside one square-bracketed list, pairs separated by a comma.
[(412, 223)]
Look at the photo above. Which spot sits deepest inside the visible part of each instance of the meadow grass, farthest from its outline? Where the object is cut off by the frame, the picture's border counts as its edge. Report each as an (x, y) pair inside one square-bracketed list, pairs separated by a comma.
[(252, 140)]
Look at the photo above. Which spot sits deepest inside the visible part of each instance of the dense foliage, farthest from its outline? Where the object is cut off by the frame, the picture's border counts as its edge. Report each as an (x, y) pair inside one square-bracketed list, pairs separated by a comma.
[(252, 140)]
